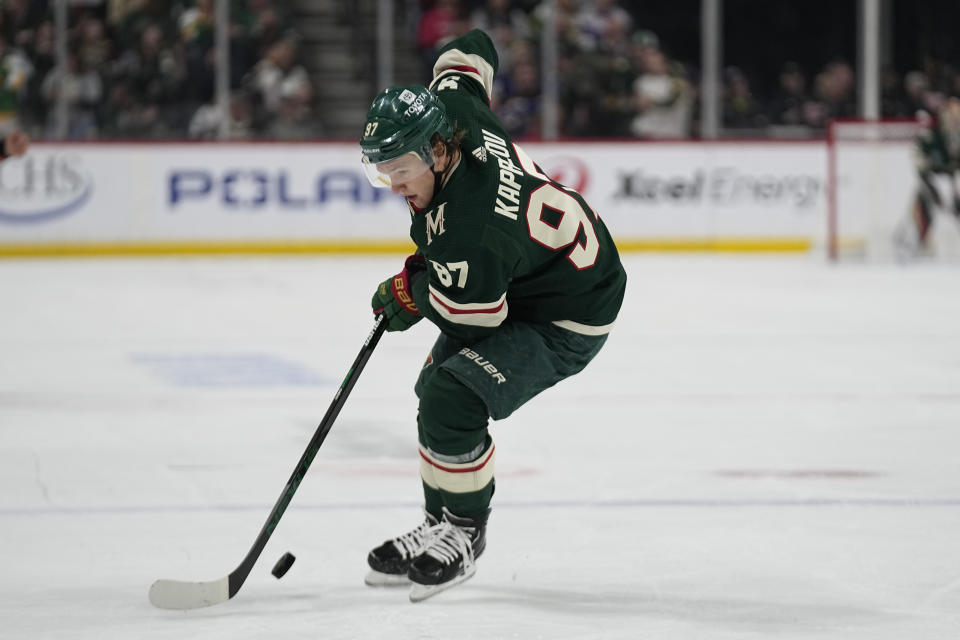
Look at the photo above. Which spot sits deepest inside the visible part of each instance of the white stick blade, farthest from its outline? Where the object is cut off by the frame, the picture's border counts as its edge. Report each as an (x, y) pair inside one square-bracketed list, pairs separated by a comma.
[(175, 594)]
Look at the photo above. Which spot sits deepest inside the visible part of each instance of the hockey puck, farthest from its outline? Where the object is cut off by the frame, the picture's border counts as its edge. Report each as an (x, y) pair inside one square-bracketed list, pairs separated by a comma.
[(283, 565)]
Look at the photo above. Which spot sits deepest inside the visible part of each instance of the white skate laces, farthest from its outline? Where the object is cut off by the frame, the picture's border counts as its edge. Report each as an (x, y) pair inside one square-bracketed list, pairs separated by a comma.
[(413, 543), (390, 561), (431, 558), (450, 556), (450, 543)]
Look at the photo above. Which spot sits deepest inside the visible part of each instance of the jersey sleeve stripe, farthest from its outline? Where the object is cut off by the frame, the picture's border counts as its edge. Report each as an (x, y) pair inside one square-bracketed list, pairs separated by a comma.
[(469, 64), (584, 329), (464, 68), (478, 314)]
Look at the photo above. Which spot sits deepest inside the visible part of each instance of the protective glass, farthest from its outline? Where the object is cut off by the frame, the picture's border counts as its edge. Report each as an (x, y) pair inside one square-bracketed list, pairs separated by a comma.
[(384, 175)]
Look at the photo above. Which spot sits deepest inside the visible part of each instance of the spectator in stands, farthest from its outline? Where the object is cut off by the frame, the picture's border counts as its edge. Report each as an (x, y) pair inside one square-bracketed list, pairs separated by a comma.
[(597, 83), (598, 18), (40, 49), (15, 70), (663, 98), (195, 26), (787, 106), (268, 26), (156, 75), (893, 103), (124, 116), (836, 90), (741, 109), (93, 47), (916, 86), (82, 90), (18, 19), (517, 101), (294, 120), (501, 21), (153, 61), (565, 12), (205, 124), (119, 11), (279, 74), (126, 19), (435, 29)]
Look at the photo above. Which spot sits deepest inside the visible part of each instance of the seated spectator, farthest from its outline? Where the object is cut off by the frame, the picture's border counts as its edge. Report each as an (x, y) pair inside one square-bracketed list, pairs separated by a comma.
[(18, 19), (598, 17), (278, 73), (518, 101), (501, 21), (893, 103), (268, 26), (837, 90), (195, 26), (435, 29), (155, 74), (205, 124), (916, 86), (597, 87), (41, 51), (294, 120), (786, 107), (15, 70), (124, 117), (93, 47), (82, 89), (663, 99), (741, 109)]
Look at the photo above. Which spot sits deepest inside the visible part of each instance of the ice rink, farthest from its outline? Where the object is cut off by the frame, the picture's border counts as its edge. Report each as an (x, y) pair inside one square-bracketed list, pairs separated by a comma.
[(767, 447)]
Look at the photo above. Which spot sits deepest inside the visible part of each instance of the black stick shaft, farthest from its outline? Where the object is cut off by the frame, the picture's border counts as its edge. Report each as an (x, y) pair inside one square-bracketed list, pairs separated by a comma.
[(239, 575)]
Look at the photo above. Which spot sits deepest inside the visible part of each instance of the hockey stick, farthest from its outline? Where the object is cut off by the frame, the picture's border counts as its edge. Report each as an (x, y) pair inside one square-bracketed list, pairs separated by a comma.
[(178, 594)]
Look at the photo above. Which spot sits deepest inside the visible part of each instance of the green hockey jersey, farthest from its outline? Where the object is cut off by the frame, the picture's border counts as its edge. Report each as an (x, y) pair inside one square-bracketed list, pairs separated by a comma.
[(502, 241), (937, 150)]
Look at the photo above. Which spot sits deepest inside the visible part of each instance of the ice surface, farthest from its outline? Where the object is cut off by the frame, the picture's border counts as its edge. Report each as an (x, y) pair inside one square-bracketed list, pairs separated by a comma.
[(767, 447)]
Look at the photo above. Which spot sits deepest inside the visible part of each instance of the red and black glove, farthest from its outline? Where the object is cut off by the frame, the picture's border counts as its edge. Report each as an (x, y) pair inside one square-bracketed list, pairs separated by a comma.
[(394, 297)]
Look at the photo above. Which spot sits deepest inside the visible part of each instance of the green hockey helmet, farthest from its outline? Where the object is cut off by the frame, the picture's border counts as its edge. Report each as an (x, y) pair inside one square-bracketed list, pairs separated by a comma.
[(396, 137)]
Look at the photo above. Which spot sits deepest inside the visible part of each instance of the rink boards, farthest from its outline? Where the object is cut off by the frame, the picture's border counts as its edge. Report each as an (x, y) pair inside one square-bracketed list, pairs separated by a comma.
[(126, 198)]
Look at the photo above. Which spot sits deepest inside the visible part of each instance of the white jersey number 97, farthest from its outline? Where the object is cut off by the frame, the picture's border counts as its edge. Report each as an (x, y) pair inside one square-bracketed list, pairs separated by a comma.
[(562, 232)]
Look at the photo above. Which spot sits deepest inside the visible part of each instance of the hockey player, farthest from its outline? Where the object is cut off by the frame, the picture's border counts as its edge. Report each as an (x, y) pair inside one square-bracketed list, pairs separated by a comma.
[(16, 144), (516, 270), (937, 154)]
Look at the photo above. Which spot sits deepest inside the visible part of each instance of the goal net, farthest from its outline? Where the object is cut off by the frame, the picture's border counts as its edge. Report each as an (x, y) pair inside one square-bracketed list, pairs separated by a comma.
[(872, 184)]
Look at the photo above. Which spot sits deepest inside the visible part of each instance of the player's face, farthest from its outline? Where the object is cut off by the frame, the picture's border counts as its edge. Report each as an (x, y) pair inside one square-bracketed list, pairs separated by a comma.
[(417, 190), (407, 175)]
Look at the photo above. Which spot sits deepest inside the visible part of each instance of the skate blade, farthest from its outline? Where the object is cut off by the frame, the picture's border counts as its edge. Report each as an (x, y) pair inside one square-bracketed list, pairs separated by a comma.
[(377, 579), (420, 592)]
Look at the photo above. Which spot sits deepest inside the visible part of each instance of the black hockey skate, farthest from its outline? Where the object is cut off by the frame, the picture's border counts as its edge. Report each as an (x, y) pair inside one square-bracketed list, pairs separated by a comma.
[(449, 557), (390, 561)]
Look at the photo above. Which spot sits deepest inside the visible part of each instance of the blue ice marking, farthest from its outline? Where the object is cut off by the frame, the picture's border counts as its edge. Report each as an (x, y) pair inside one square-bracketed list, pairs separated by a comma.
[(221, 370)]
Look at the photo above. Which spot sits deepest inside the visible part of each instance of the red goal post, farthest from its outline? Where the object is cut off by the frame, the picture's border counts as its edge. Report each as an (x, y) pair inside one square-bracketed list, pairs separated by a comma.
[(871, 183)]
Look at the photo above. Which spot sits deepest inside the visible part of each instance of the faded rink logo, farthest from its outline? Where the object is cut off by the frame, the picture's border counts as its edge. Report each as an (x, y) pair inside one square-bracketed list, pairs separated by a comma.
[(40, 187)]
